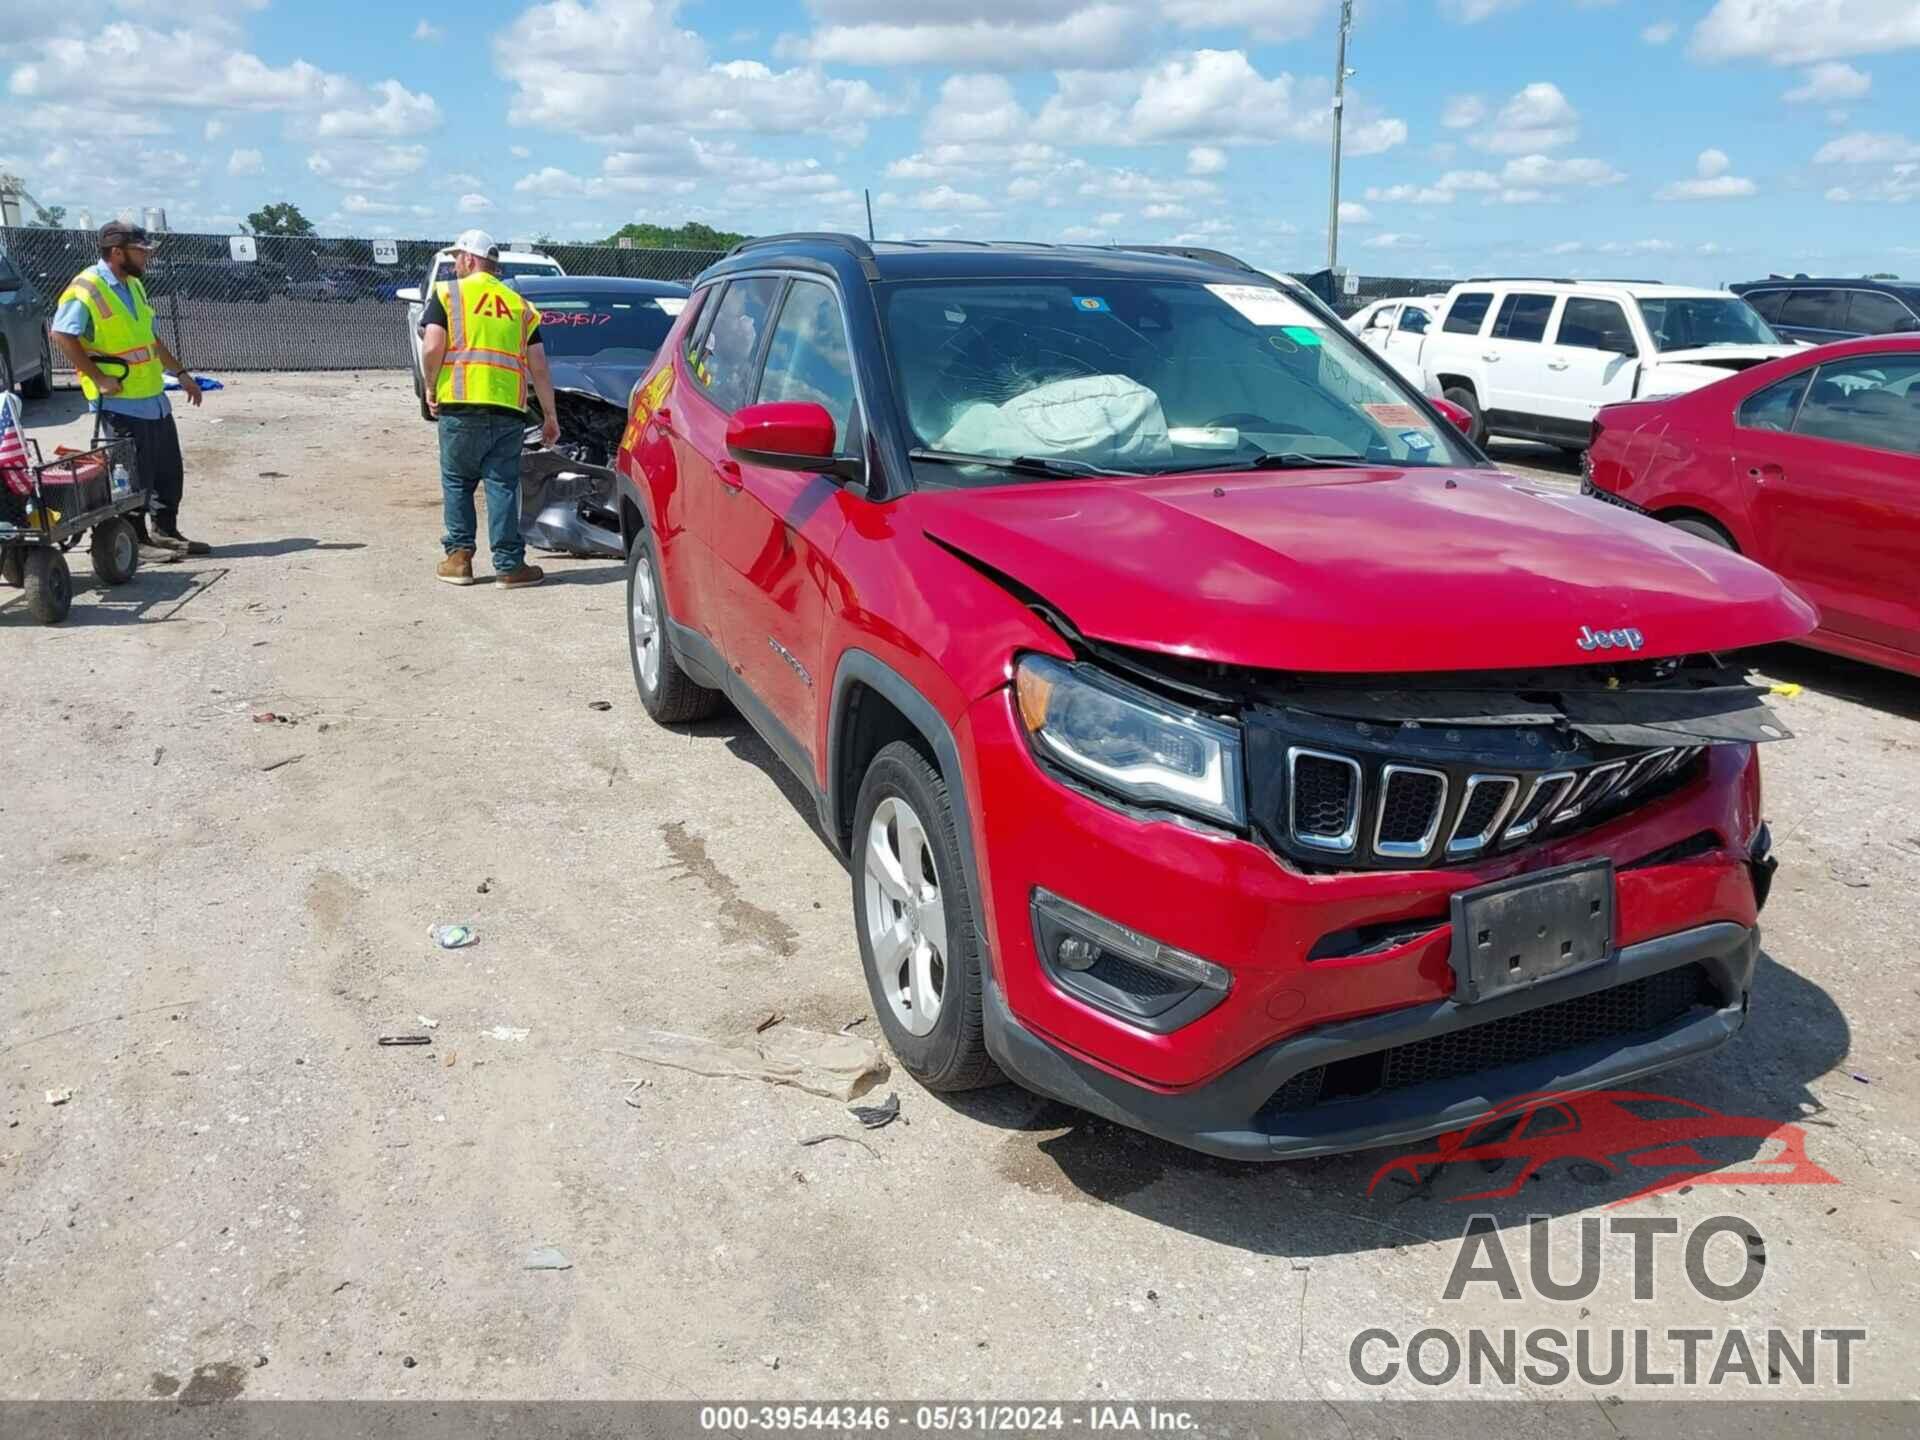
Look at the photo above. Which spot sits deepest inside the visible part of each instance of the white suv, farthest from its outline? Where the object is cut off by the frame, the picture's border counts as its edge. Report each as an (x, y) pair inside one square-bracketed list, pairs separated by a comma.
[(1535, 359), (1396, 329), (513, 264)]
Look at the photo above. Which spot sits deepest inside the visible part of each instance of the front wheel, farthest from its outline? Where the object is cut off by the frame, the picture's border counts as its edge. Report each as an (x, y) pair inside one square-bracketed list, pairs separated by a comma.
[(914, 918), (1707, 531), (670, 695), (116, 551), (49, 585), (1464, 397), (41, 386)]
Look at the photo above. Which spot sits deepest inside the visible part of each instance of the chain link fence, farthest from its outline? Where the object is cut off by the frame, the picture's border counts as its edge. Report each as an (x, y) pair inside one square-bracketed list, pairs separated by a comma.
[(304, 303)]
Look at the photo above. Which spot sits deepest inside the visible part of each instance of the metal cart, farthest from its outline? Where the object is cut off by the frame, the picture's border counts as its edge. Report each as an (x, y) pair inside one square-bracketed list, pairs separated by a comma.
[(67, 496)]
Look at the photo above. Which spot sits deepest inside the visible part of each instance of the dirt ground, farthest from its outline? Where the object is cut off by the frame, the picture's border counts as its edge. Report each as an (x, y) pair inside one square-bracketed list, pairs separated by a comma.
[(206, 923)]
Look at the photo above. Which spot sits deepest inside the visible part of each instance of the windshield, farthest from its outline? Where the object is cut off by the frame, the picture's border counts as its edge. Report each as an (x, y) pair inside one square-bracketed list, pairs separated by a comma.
[(1707, 320), (618, 330), (509, 269), (1142, 376)]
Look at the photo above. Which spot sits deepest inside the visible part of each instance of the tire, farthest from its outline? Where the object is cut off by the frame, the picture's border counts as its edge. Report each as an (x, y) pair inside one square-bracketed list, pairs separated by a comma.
[(671, 696), (12, 566), (903, 827), (41, 386), (1463, 396), (49, 586), (1707, 531), (116, 551)]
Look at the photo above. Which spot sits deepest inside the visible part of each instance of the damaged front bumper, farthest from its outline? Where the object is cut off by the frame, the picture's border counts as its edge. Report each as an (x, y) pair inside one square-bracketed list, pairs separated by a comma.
[(567, 489)]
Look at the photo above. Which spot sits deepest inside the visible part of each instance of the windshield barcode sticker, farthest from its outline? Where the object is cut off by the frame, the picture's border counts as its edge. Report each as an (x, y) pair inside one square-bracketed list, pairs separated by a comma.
[(1264, 306)]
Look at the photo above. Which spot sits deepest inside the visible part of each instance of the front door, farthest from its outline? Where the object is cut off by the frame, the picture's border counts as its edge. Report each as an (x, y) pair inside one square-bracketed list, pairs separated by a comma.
[(776, 530), (1517, 354), (1836, 500), (1592, 362)]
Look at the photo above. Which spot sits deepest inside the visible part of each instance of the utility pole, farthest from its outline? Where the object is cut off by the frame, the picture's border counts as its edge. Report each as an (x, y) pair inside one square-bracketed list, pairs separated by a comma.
[(1340, 73)]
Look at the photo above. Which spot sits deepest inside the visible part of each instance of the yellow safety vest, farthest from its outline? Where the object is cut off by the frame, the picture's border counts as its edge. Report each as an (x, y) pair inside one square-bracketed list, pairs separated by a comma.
[(119, 334), (487, 329)]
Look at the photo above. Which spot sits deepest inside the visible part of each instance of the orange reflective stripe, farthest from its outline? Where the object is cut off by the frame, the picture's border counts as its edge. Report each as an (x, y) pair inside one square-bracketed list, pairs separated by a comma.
[(482, 350), (86, 282), (133, 357)]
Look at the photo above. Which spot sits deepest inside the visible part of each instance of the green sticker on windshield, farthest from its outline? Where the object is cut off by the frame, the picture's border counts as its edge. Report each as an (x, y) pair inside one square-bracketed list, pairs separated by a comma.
[(1301, 334)]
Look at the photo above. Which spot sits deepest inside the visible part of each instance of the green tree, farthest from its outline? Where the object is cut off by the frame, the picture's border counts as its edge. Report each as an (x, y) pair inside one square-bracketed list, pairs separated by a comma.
[(690, 236), (283, 218), (50, 217)]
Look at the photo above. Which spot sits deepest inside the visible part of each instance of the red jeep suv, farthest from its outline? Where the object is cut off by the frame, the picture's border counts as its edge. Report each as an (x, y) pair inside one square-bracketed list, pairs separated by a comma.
[(1217, 741)]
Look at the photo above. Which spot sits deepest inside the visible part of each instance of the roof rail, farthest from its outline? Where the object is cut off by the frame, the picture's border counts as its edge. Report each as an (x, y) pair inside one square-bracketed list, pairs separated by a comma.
[(1556, 280), (852, 244), (1195, 252)]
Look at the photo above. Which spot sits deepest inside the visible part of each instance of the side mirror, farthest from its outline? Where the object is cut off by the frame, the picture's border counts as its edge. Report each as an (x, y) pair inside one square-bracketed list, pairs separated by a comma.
[(1455, 415), (790, 435), (409, 293), (1622, 345)]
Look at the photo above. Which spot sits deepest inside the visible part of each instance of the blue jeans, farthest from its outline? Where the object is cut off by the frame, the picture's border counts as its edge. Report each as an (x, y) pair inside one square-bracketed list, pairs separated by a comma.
[(483, 449)]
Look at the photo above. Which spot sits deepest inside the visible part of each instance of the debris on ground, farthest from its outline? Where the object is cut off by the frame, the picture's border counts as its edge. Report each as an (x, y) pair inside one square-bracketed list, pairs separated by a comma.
[(484, 886), (772, 1362), (427, 1024), (515, 1033), (774, 1017), (282, 764), (839, 1067), (1862, 1079), (158, 752), (857, 1020), (548, 1257), (634, 1087), (1850, 874), (847, 1139), (875, 1117), (272, 717), (452, 937), (452, 1055), (600, 705), (406, 1039), (60, 1096)]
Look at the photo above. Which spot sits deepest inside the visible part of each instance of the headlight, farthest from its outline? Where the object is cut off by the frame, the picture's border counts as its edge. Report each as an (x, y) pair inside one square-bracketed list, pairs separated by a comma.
[(1138, 746)]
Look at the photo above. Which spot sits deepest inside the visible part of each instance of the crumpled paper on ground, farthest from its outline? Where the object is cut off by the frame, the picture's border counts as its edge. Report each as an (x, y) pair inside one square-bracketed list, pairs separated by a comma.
[(839, 1067)]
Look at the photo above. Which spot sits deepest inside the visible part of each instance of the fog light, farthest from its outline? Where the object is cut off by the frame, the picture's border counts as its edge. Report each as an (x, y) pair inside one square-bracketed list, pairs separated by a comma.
[(1076, 953)]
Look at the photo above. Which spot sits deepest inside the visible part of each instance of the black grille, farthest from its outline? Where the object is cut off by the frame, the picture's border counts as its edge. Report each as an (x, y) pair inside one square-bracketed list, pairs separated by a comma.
[(1408, 807), (1124, 974), (1323, 796), (1640, 1005), (1549, 792), (1482, 806)]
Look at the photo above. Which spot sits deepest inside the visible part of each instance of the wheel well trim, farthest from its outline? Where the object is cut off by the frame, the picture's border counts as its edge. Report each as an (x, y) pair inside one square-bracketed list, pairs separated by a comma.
[(860, 667), (1667, 514)]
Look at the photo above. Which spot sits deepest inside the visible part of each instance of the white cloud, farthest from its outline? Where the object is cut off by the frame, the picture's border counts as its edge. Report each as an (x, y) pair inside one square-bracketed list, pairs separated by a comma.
[(1839, 195), (397, 112), (1540, 170), (475, 204), (1392, 240), (1441, 192), (519, 152), (1354, 214), (1895, 157), (1016, 34), (428, 32), (945, 197), (1538, 117), (1866, 147), (1268, 19), (213, 130), (1660, 32), (972, 108), (361, 205), (1472, 12), (1797, 32), (1568, 247), (368, 167), (1206, 160), (1514, 195), (1462, 111), (246, 162), (1165, 212), (1828, 81), (1711, 181)]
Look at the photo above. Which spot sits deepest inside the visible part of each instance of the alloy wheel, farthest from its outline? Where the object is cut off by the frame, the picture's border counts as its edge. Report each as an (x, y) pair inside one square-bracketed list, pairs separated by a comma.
[(646, 627), (906, 915)]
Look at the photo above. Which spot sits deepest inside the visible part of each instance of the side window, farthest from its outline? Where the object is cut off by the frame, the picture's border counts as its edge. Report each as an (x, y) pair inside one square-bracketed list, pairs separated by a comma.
[(1815, 310), (1414, 320), (1866, 400), (1469, 308), (1872, 313), (808, 358), (1381, 319), (1523, 317), (1773, 408), (1767, 302), (1595, 325), (721, 357)]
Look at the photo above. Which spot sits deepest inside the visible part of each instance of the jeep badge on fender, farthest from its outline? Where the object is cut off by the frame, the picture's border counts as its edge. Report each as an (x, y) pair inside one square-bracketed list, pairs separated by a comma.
[(1591, 639)]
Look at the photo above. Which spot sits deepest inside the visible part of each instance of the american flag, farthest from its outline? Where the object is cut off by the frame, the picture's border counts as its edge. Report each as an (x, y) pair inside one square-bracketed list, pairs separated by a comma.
[(13, 449)]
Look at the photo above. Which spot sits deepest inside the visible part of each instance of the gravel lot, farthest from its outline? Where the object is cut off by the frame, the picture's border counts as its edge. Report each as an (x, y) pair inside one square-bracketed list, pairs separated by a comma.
[(246, 1195)]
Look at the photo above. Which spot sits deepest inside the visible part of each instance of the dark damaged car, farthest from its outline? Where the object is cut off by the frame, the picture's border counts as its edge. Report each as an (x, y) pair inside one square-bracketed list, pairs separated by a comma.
[(600, 337)]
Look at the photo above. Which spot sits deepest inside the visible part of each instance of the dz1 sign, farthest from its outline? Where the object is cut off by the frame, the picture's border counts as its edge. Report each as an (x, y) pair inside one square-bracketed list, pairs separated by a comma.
[(386, 252)]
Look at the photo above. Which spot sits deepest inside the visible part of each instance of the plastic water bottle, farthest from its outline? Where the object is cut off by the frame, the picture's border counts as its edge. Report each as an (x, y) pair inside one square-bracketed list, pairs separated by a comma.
[(122, 481)]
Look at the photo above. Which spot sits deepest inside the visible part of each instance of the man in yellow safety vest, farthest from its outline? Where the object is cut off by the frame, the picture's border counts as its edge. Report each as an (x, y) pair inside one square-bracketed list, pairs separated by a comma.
[(104, 326), (480, 350)]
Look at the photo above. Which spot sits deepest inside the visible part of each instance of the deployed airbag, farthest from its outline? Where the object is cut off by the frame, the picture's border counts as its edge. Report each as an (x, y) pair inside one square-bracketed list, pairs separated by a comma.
[(1101, 419)]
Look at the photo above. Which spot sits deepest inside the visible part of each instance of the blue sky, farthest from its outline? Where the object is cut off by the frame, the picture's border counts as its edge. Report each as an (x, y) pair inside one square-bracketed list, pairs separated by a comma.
[(1704, 141)]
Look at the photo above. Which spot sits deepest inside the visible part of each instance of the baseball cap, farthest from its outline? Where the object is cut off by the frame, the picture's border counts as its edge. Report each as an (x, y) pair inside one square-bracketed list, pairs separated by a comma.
[(477, 242), (123, 232)]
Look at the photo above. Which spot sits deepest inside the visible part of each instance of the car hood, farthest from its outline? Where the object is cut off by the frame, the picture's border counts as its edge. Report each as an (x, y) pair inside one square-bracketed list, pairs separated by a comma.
[(1361, 570), (1723, 357), (612, 383)]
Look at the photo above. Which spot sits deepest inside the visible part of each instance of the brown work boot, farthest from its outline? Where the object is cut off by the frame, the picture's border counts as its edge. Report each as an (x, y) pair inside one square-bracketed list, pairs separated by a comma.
[(521, 577), (457, 568), (174, 540)]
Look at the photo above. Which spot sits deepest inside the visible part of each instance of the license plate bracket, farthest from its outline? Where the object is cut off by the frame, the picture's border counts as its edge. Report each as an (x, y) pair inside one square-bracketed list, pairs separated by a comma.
[(1515, 933)]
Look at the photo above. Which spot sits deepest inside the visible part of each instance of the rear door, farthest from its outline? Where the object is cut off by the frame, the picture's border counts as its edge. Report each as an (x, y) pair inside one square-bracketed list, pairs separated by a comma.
[(1817, 316), (1592, 362), (776, 530), (1516, 359), (1869, 312), (1836, 499)]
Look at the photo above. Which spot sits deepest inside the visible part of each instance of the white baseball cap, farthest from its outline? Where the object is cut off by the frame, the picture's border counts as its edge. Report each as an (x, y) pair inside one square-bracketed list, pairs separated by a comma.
[(477, 242)]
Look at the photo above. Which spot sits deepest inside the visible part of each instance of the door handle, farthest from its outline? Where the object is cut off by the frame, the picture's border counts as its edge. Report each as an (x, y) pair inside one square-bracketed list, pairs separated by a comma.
[(731, 477), (1556, 364), (1760, 474), (1491, 359)]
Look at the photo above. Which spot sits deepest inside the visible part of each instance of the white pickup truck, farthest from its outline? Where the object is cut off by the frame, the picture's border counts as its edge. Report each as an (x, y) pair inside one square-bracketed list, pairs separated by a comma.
[(513, 263), (1537, 359)]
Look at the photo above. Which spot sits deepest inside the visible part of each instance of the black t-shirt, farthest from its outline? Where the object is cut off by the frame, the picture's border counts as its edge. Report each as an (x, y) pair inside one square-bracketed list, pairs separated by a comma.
[(436, 314)]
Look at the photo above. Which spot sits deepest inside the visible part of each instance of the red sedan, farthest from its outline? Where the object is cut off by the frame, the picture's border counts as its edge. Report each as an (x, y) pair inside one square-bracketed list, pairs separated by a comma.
[(1809, 464)]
